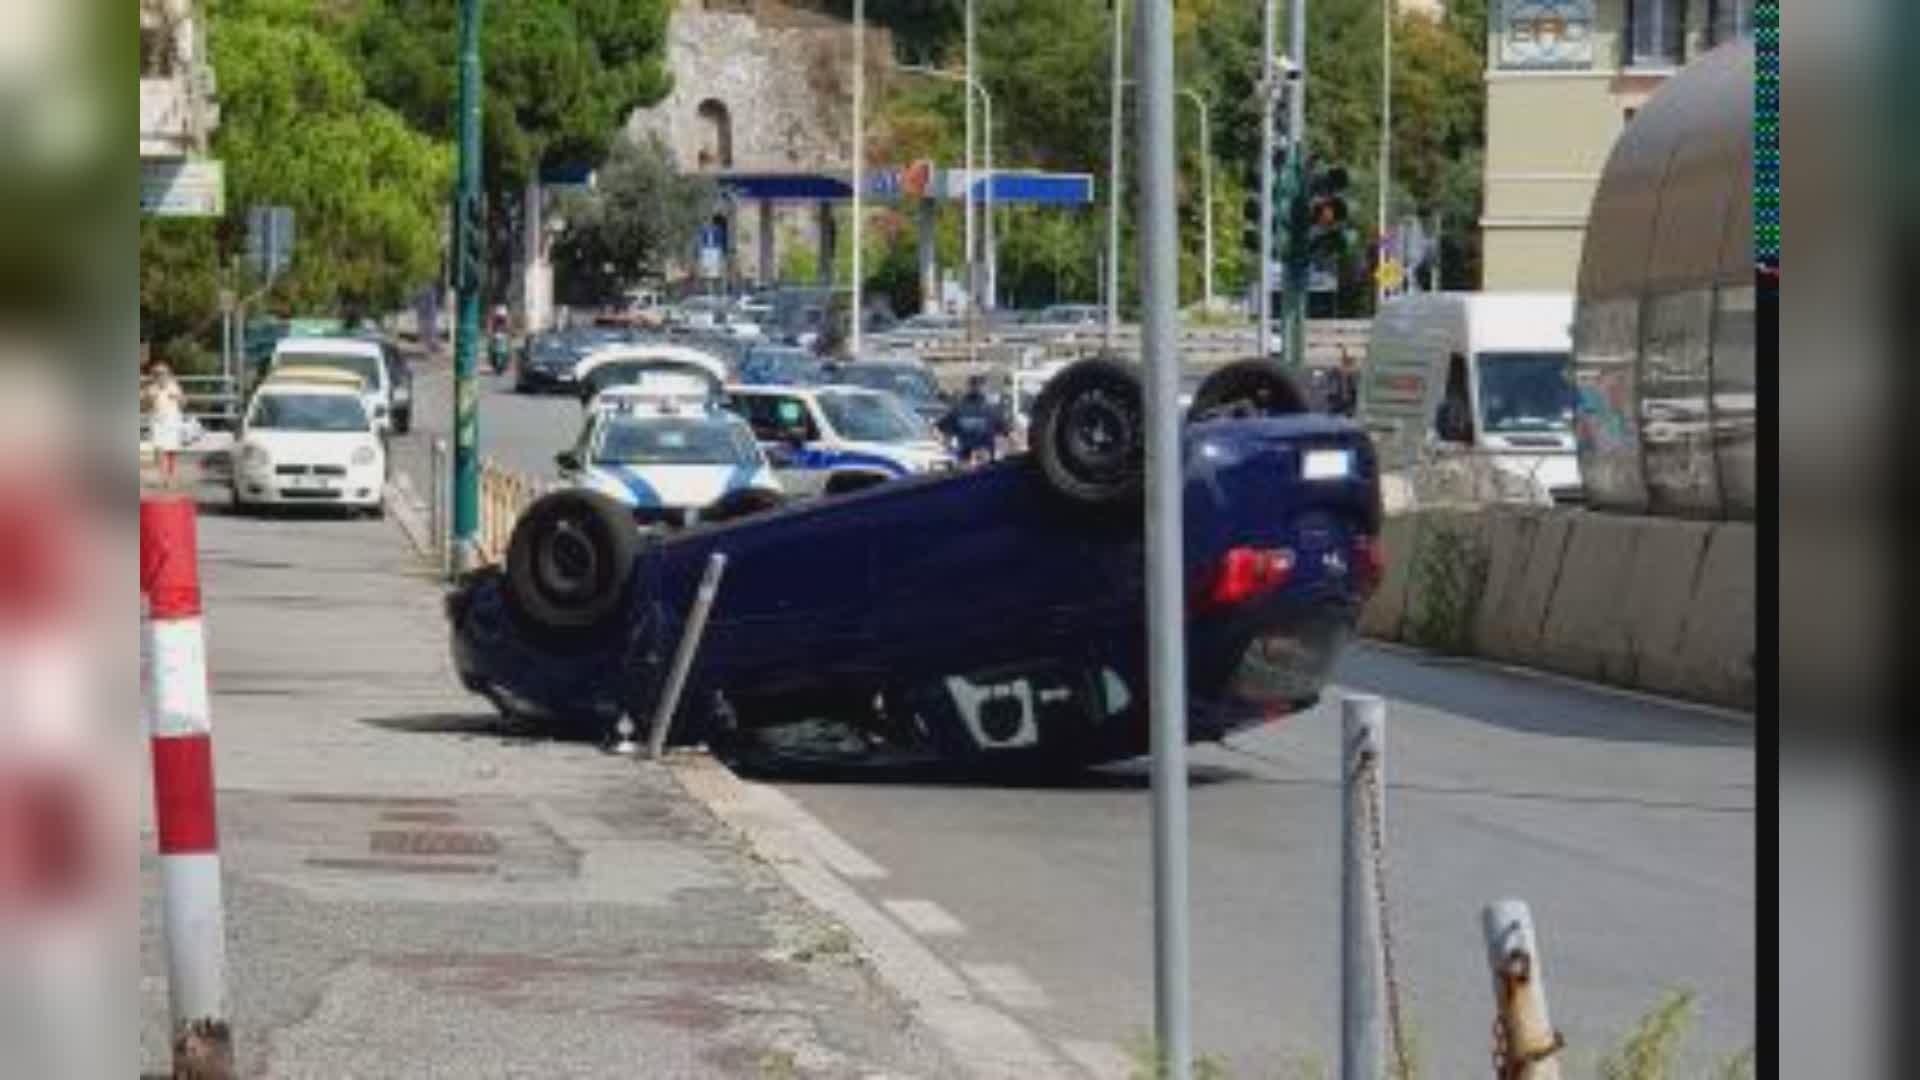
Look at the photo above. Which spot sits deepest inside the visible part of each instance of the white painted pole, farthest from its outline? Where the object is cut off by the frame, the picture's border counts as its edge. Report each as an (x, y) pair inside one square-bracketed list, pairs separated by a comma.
[(1527, 1041), (683, 655), (993, 256), (180, 739), (859, 165), (1362, 808)]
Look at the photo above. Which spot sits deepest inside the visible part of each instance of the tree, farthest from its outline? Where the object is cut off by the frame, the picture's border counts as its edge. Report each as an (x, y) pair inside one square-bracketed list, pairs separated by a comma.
[(298, 130), (560, 77), (641, 214)]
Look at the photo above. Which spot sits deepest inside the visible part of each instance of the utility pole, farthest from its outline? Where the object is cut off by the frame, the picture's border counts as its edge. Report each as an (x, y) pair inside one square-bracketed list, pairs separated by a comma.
[(1113, 171), (1268, 91), (1206, 191), (1386, 142), (469, 258), (1166, 580), (1295, 297), (859, 165)]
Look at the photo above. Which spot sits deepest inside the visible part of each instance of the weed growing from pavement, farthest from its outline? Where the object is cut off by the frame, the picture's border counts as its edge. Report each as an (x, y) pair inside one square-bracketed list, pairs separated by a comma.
[(1648, 1051), (829, 942), (1449, 577)]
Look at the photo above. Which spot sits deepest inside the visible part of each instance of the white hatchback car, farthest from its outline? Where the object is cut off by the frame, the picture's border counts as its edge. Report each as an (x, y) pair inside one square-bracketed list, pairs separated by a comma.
[(310, 442)]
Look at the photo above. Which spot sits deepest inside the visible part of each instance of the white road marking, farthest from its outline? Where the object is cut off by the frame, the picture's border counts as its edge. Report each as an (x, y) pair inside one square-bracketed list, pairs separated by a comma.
[(1103, 1059), (986, 1041), (924, 917), (1009, 984)]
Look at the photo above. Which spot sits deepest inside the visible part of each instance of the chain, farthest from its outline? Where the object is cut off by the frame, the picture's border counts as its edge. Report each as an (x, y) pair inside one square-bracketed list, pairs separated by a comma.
[(1368, 772)]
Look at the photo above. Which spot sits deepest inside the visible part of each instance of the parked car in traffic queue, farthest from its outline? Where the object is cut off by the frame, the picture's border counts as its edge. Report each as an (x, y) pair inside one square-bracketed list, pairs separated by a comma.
[(665, 448), (994, 613), (859, 434), (307, 439)]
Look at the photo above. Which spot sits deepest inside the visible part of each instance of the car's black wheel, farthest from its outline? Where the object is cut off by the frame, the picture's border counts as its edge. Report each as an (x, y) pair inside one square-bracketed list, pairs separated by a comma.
[(742, 502), (403, 421), (1088, 432), (1245, 389), (568, 564)]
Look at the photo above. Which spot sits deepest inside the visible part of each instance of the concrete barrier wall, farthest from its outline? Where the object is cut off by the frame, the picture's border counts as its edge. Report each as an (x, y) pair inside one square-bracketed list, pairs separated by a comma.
[(1657, 604)]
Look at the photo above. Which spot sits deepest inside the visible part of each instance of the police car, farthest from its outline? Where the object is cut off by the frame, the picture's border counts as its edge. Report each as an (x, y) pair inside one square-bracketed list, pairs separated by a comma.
[(658, 442), (846, 431)]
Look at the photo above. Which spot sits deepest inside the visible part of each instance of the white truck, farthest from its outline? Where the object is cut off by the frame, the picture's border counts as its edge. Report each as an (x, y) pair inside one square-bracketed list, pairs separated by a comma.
[(1485, 376)]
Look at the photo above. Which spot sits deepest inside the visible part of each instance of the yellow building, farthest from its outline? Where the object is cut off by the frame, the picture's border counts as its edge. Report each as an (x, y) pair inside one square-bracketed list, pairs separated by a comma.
[(1563, 79)]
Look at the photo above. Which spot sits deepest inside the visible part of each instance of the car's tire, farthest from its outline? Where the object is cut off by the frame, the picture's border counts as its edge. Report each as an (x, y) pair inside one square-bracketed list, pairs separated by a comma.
[(742, 502), (847, 481), (1245, 389), (568, 564), (403, 421), (1088, 433)]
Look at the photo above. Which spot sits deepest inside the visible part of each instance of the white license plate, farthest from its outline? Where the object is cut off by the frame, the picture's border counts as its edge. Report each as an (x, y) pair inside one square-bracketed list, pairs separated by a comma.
[(1327, 464), (314, 484)]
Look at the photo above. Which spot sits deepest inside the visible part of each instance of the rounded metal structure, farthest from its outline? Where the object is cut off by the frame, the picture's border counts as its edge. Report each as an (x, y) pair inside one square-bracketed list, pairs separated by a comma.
[(1664, 320)]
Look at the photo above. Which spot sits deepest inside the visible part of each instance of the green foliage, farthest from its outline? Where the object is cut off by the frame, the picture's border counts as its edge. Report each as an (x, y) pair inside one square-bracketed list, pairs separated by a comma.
[(1647, 1052), (297, 129), (1449, 576), (560, 76), (1145, 1053), (641, 214), (179, 281)]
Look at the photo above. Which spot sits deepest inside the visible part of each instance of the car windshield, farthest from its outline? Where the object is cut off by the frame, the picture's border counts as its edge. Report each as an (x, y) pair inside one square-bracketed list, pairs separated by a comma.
[(872, 418), (781, 365), (367, 367), (657, 441), (1526, 392), (910, 383), (282, 411)]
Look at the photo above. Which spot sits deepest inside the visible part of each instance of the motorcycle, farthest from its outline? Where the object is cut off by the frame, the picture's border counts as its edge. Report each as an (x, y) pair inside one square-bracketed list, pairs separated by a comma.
[(497, 352)]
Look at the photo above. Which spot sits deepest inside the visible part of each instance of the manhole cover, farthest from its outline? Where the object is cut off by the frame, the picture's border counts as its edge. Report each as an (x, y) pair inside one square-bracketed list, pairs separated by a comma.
[(433, 842)]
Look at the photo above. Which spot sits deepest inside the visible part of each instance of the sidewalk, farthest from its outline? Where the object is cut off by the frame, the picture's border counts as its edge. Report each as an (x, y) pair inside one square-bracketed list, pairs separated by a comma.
[(414, 889)]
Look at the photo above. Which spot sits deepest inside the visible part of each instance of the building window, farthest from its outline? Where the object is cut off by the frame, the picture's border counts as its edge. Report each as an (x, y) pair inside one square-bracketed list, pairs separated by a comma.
[(1656, 33), (716, 135), (1729, 20)]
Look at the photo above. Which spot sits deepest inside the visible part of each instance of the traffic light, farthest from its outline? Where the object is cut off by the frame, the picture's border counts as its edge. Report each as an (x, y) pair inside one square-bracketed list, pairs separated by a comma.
[(1328, 234), (469, 242)]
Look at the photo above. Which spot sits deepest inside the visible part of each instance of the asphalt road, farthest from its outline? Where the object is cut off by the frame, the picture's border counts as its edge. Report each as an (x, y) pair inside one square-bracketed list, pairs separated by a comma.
[(1627, 825), (1626, 822)]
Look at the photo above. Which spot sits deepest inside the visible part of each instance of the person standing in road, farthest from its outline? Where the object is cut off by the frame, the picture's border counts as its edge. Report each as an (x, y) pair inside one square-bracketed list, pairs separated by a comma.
[(973, 424), (166, 405)]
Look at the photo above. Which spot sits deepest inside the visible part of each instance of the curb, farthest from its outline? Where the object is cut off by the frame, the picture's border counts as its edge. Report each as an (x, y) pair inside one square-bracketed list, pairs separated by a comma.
[(405, 509), (984, 1040)]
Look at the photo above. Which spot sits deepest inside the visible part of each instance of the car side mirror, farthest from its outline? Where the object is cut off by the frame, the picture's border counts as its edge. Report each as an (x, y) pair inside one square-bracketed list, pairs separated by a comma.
[(567, 460)]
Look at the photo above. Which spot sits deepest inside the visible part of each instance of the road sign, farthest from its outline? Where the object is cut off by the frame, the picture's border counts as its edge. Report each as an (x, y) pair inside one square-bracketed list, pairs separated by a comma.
[(269, 240), (183, 188)]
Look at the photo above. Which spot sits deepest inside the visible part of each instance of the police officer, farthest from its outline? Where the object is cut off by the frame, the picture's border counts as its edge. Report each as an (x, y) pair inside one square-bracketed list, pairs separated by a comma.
[(973, 424)]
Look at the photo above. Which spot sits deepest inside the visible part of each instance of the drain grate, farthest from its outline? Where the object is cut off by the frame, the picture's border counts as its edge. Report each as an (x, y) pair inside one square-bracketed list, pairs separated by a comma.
[(421, 817), (402, 866), (433, 842)]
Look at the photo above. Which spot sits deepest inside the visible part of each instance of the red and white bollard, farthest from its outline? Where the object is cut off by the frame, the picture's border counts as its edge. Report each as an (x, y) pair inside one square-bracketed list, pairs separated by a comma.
[(181, 738)]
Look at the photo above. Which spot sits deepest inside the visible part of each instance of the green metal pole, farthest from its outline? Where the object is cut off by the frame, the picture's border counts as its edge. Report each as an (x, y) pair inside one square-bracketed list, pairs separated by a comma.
[(466, 333), (1293, 300)]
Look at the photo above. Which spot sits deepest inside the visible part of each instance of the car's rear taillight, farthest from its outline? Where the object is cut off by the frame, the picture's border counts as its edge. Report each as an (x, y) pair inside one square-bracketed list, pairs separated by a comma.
[(1370, 562), (1242, 574)]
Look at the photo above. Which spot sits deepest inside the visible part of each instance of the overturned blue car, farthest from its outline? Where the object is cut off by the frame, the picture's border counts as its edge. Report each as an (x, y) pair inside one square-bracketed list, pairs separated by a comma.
[(991, 613)]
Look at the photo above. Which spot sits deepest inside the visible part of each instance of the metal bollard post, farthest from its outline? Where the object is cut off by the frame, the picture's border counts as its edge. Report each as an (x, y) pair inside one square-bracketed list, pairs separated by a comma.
[(1523, 1037), (1362, 993), (437, 505), (663, 710)]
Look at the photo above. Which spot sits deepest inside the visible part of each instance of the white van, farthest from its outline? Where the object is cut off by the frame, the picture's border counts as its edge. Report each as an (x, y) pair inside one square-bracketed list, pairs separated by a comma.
[(1490, 374)]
